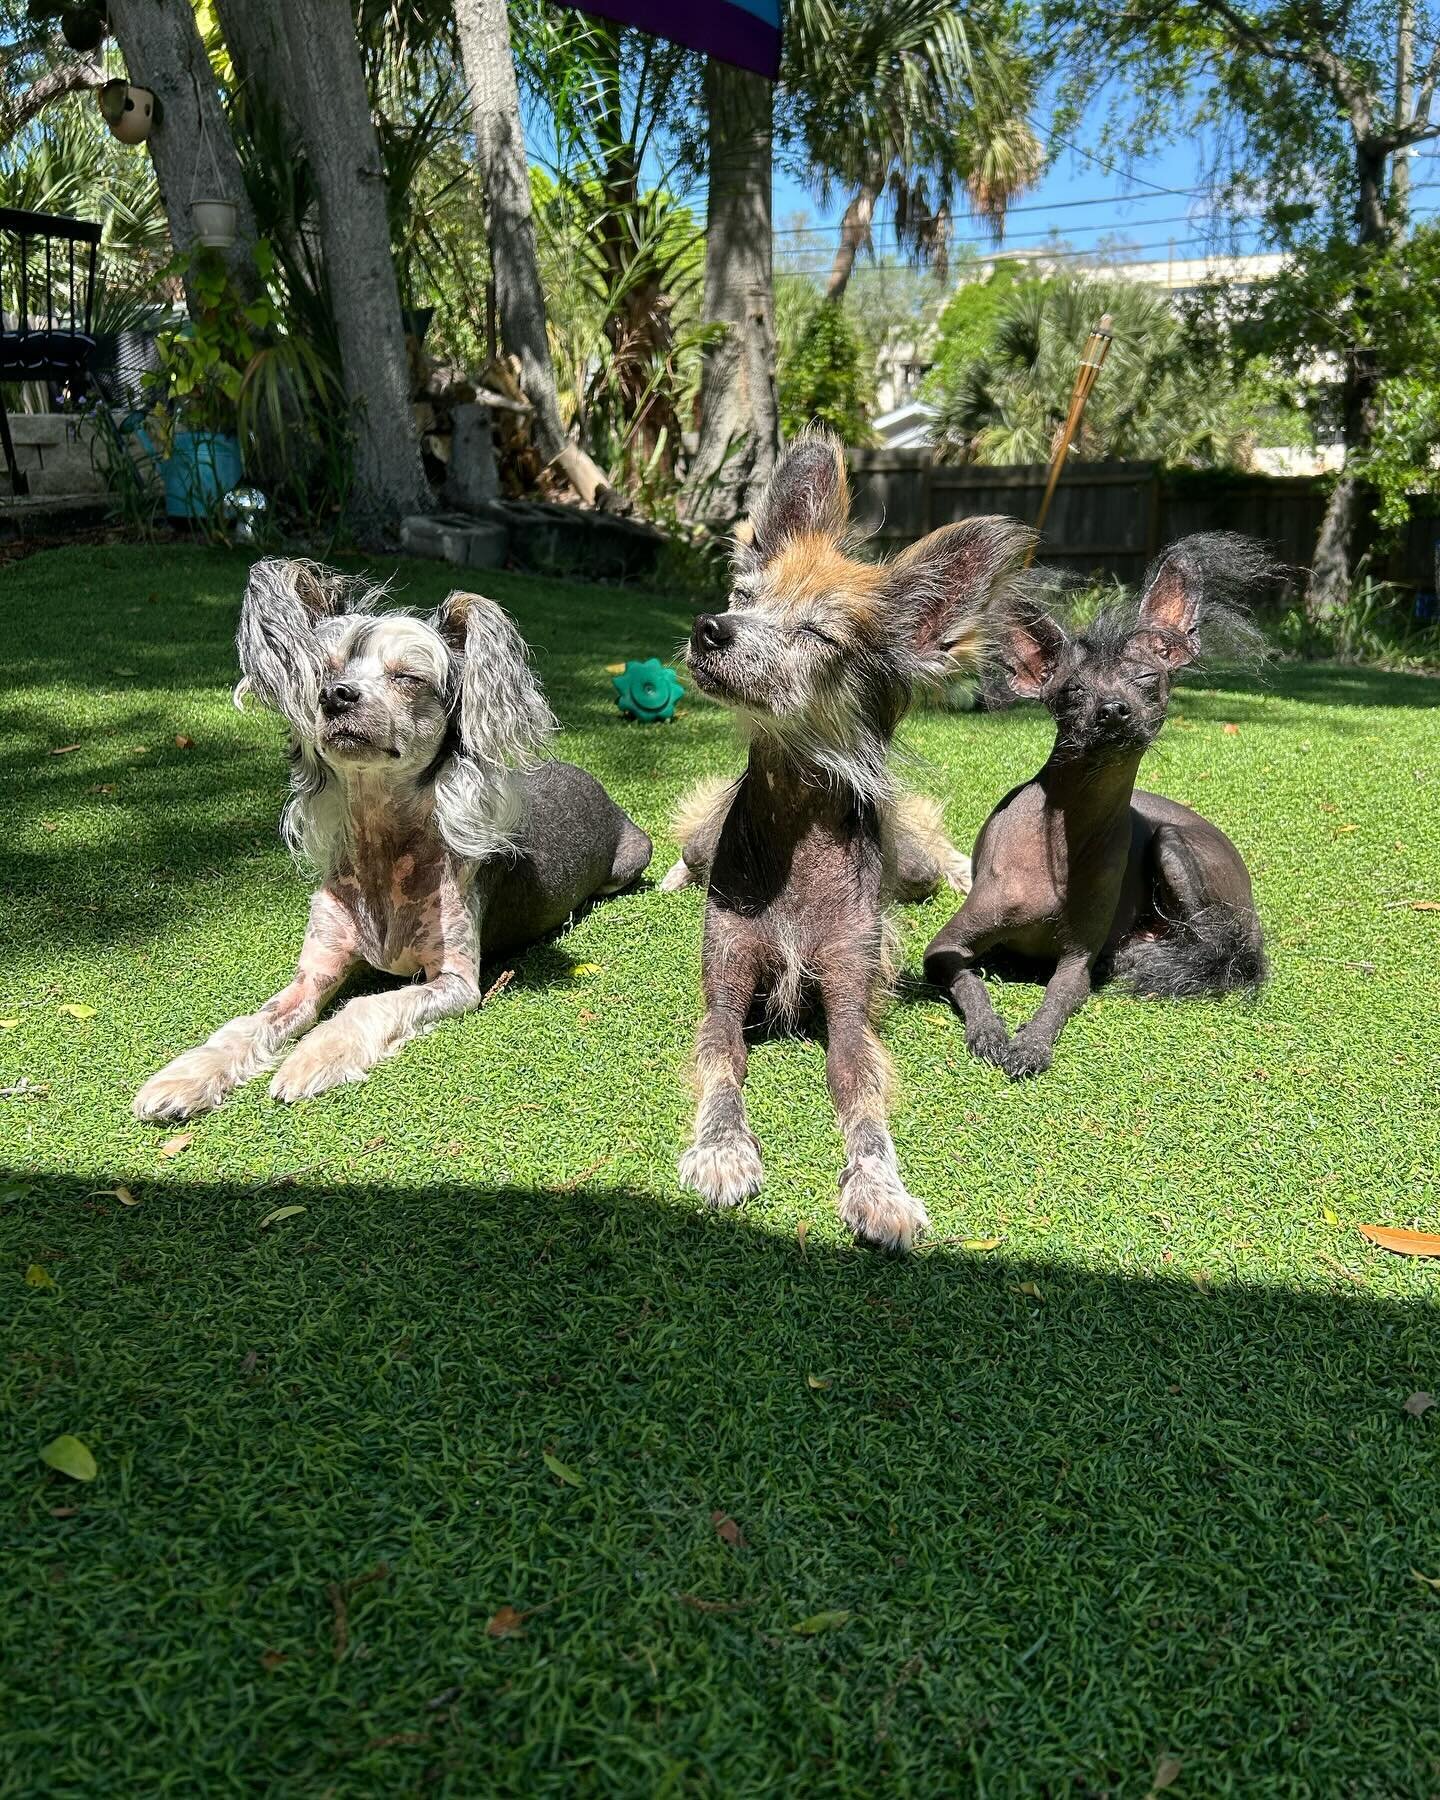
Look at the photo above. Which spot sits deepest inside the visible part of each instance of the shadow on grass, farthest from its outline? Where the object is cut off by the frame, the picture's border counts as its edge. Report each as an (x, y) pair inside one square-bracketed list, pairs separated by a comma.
[(1040, 1523)]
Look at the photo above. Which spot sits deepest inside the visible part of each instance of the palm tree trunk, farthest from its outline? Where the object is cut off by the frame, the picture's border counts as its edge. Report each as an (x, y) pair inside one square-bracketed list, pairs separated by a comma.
[(510, 228), (163, 51), (334, 109), (854, 235), (739, 412)]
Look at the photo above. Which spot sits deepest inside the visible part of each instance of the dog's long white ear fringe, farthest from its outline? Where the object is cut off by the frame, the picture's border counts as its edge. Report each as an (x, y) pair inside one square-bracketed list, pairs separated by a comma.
[(280, 659), (504, 722)]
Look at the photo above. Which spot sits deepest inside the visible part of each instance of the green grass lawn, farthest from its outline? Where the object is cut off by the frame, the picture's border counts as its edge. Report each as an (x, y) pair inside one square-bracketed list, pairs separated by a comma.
[(1136, 1484)]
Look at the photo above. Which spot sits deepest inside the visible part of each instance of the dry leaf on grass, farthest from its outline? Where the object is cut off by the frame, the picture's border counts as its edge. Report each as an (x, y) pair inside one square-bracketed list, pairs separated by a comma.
[(270, 1660), (1403, 1243), (177, 1145), (1031, 1290), (506, 1623), (38, 1277), (1417, 1403), (802, 1230), (182, 742), (1425, 906), (68, 1455), (8, 1024), (1167, 1773), (1231, 730), (818, 1382), (562, 1471), (65, 750), (728, 1531), (280, 1212), (818, 1622), (76, 1009), (1429, 1580), (980, 1243)]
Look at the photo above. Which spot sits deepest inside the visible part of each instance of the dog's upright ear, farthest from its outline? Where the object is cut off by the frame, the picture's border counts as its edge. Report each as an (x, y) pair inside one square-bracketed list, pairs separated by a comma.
[(502, 714), (1031, 647), (946, 592), (1196, 597), (280, 658), (807, 496)]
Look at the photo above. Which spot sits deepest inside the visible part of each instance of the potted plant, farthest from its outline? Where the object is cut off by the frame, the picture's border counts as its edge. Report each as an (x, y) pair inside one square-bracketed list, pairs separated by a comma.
[(194, 392)]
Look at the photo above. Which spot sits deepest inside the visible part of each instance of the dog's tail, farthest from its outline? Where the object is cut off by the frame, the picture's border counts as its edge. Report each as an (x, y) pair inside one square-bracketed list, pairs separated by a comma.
[(1218, 950)]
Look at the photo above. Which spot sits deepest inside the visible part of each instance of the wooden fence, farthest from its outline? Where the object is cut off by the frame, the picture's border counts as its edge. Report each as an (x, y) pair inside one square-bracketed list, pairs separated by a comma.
[(1109, 518)]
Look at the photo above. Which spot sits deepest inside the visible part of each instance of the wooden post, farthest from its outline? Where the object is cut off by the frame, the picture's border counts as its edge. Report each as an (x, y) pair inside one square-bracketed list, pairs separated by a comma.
[(1092, 360)]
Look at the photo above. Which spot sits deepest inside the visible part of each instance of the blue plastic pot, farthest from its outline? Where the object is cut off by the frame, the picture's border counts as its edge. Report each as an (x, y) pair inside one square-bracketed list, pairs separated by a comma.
[(201, 469)]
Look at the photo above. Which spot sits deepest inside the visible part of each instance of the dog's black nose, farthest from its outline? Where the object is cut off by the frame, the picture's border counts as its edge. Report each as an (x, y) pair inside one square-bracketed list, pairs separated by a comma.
[(336, 696), (713, 631), (1113, 712)]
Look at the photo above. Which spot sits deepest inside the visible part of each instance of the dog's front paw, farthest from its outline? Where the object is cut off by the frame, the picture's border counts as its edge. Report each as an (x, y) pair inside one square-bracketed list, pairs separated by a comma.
[(1026, 1056), (194, 1083), (989, 1040), (324, 1060), (876, 1206), (723, 1173)]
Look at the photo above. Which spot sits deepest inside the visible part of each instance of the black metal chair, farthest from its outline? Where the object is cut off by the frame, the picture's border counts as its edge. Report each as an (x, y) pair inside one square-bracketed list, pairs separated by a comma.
[(46, 310)]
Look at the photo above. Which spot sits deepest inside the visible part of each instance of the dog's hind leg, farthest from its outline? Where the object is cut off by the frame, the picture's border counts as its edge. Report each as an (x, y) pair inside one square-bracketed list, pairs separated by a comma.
[(925, 859), (723, 1163), (1203, 934), (696, 827), (200, 1079), (632, 858), (874, 1202)]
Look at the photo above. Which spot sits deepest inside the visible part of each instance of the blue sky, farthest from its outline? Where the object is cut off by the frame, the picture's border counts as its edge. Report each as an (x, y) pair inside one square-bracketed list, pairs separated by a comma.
[(1088, 204)]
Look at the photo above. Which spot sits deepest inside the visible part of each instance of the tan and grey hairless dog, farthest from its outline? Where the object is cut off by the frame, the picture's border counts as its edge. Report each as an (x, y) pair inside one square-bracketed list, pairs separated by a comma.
[(817, 655), (1079, 872)]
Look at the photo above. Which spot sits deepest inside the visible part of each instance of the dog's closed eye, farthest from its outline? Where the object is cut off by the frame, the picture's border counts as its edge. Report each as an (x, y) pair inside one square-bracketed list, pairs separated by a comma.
[(820, 637), (408, 678)]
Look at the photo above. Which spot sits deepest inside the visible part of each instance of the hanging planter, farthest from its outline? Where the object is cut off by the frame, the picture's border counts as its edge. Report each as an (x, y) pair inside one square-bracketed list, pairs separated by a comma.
[(131, 112), (214, 223), (83, 27), (213, 217)]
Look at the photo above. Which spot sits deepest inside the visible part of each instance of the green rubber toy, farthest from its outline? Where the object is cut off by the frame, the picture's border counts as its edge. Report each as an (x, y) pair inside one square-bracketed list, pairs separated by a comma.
[(648, 691)]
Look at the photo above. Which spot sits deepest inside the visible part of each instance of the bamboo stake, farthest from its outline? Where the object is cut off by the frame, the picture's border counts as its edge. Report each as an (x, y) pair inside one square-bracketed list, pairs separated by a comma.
[(1092, 360)]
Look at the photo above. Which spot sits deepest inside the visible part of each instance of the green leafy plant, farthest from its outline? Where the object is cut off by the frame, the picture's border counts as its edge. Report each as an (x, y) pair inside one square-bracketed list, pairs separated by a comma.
[(204, 363), (824, 381)]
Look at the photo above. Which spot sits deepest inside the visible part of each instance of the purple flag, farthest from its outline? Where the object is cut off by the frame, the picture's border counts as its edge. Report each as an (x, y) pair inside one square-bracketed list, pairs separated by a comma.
[(743, 32)]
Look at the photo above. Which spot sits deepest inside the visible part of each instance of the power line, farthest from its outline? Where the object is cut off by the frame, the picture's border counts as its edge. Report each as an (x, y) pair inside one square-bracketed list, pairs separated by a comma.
[(995, 248), (1167, 245)]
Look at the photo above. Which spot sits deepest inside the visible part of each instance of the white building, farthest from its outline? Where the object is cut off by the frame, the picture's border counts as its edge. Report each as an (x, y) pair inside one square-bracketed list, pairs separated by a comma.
[(903, 422)]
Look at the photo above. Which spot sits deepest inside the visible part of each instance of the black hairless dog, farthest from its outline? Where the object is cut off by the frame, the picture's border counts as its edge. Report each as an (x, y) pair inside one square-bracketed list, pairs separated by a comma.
[(1078, 869)]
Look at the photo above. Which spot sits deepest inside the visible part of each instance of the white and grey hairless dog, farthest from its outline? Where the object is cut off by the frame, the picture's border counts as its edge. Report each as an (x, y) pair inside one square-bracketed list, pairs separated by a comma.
[(419, 793), (818, 654)]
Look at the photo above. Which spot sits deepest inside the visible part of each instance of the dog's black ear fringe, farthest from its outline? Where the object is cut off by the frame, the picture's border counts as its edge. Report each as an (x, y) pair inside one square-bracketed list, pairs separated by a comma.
[(1226, 573)]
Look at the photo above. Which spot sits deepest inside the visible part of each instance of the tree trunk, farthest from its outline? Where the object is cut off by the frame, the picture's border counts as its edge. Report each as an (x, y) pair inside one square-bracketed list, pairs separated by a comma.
[(854, 236), (510, 230), (163, 52), (330, 94), (739, 412), (255, 36), (1332, 568)]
